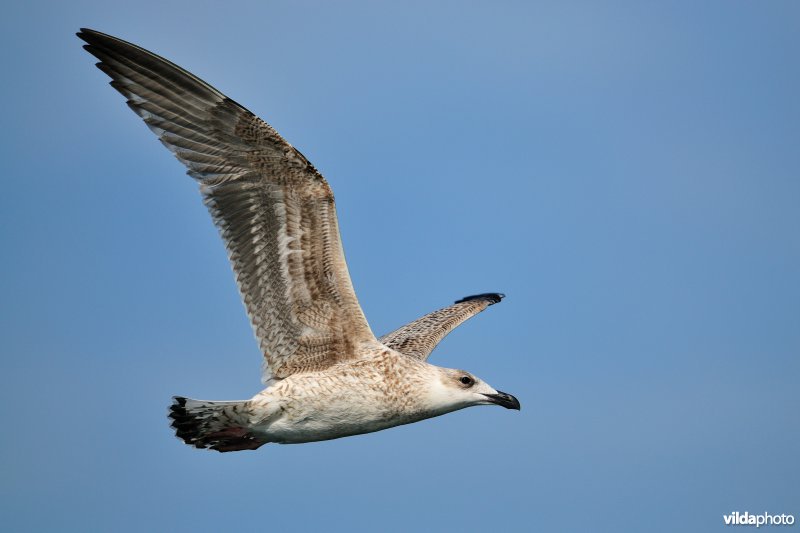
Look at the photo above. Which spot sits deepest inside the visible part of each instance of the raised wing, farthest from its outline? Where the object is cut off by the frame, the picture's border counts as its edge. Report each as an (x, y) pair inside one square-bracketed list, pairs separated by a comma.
[(274, 210), (419, 338)]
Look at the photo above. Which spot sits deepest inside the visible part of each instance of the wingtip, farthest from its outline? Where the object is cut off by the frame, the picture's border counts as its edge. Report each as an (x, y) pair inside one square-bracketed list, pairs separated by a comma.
[(88, 31), (97, 37), (83, 33), (491, 297)]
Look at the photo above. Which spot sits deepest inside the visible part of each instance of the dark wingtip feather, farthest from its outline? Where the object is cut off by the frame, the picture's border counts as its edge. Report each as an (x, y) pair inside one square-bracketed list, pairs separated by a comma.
[(86, 34), (491, 297)]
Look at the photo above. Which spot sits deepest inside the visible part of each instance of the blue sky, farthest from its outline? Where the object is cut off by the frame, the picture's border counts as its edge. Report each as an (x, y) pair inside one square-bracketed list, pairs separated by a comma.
[(626, 172)]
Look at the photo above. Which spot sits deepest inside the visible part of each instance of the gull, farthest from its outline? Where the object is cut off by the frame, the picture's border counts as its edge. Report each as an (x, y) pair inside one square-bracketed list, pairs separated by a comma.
[(326, 373)]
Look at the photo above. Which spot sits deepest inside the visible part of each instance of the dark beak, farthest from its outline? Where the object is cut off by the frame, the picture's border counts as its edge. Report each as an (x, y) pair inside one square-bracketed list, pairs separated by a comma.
[(504, 400)]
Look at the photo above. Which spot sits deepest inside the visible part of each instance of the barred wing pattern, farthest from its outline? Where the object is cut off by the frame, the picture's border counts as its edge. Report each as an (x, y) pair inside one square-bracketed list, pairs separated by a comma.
[(419, 338), (274, 211)]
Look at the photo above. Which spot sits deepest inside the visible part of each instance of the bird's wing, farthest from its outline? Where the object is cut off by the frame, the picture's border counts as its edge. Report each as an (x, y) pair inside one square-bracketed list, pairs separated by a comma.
[(274, 211), (419, 338)]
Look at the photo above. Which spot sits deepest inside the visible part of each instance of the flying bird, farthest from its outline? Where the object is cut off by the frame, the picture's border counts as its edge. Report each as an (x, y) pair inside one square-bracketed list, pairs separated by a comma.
[(326, 373)]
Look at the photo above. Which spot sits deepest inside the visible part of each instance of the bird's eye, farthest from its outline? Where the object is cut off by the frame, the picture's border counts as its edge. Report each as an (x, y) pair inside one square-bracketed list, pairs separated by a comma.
[(466, 380)]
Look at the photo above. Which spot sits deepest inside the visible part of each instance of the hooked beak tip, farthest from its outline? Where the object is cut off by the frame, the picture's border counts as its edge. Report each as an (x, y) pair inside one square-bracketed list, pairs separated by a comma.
[(504, 399)]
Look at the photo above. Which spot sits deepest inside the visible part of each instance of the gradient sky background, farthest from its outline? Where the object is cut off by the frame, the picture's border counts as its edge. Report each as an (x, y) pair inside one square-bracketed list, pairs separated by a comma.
[(626, 172)]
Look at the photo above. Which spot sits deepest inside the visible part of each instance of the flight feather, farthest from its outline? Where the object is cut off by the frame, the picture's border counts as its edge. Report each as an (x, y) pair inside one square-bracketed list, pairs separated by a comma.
[(419, 338), (274, 210)]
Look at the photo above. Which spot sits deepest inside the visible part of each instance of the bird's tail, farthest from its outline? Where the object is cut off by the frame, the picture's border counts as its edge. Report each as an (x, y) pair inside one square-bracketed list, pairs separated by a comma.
[(221, 426)]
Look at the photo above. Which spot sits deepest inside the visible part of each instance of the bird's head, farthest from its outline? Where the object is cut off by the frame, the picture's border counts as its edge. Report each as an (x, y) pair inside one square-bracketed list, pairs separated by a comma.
[(457, 389)]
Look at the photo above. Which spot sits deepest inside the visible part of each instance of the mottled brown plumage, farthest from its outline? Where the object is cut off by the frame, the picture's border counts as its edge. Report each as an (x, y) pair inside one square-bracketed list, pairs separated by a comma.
[(274, 210), (329, 376), (420, 337)]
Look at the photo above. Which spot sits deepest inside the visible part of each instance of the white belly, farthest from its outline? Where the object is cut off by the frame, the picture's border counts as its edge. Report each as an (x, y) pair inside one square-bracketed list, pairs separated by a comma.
[(308, 423), (348, 400)]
